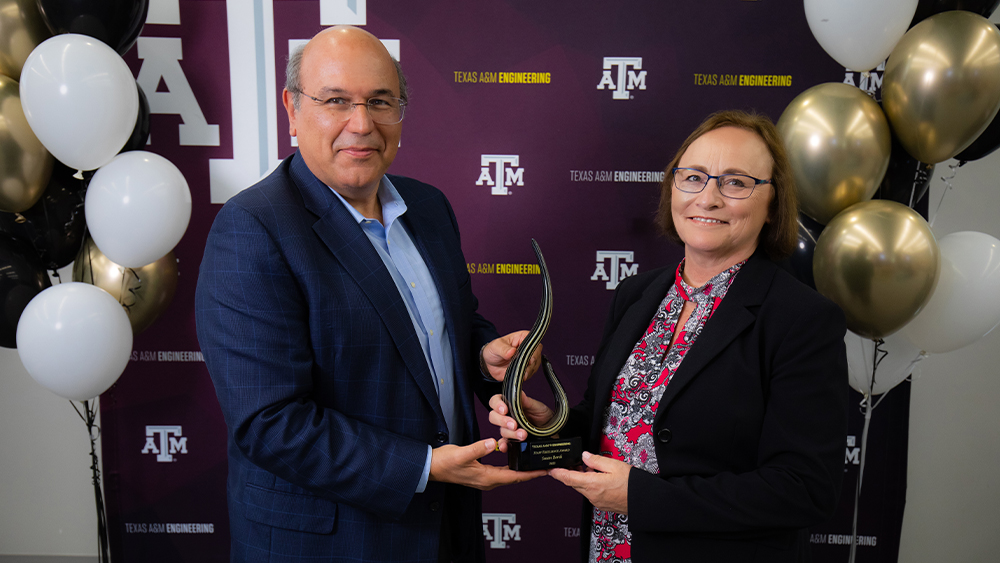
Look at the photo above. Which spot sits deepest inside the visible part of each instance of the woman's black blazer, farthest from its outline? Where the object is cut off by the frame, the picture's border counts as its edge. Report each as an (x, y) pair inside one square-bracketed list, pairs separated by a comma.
[(750, 432)]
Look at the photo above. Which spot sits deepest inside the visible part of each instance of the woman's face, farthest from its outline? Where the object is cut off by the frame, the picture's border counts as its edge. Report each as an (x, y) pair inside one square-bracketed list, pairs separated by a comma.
[(715, 228)]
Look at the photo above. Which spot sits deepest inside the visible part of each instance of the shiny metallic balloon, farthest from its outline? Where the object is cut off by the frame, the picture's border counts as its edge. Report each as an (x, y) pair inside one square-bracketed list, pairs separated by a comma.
[(144, 292), (838, 143), (25, 165), (21, 30), (879, 261), (941, 86)]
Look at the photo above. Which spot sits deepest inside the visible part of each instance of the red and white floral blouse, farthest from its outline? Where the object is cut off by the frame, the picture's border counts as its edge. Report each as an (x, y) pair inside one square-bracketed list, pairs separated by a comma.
[(628, 421)]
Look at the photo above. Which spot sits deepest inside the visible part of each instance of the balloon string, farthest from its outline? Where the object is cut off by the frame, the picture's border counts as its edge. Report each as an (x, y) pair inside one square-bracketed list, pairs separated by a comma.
[(90, 260), (861, 470), (45, 211), (878, 354), (947, 187), (121, 291), (48, 224), (802, 227), (921, 356), (89, 417), (127, 288)]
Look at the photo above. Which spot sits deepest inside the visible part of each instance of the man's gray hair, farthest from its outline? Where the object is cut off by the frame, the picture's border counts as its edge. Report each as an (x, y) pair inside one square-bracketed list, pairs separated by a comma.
[(293, 80)]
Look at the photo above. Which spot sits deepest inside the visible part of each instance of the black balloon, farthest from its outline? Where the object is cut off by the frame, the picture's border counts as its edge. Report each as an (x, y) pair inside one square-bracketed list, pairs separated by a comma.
[(115, 22), (140, 134), (927, 8), (987, 142), (55, 225), (22, 277), (800, 263), (907, 179)]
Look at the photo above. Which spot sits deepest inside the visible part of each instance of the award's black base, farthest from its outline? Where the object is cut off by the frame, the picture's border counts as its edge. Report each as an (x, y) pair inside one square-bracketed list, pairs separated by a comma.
[(544, 453)]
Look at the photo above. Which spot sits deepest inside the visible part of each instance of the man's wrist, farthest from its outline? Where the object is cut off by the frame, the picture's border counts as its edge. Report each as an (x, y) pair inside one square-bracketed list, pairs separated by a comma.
[(482, 364)]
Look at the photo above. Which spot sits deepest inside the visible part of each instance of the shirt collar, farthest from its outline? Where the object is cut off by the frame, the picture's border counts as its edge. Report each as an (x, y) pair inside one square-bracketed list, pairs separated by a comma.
[(392, 203), (704, 293)]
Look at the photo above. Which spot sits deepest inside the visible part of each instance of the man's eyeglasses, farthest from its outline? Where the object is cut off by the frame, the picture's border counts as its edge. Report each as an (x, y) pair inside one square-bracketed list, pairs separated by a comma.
[(383, 110), (733, 186)]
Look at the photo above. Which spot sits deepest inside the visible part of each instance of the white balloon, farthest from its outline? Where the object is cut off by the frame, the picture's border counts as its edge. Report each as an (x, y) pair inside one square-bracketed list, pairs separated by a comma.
[(965, 305), (75, 340), (138, 207), (897, 364), (80, 99), (859, 34)]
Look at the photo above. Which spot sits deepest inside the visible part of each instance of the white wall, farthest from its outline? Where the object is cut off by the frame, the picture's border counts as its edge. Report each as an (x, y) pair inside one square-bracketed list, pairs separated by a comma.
[(46, 496)]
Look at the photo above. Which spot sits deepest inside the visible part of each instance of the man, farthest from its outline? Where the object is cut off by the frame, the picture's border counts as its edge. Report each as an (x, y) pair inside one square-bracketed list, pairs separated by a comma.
[(338, 324)]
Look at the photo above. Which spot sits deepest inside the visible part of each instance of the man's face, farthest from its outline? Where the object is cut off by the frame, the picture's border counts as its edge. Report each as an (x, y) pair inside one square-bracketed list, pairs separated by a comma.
[(349, 156)]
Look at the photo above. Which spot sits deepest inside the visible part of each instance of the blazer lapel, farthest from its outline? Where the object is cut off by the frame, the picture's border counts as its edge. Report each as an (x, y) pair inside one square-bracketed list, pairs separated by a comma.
[(729, 320), (630, 329), (337, 229)]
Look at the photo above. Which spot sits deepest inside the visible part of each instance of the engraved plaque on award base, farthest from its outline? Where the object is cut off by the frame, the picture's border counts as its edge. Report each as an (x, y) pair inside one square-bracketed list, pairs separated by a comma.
[(544, 453)]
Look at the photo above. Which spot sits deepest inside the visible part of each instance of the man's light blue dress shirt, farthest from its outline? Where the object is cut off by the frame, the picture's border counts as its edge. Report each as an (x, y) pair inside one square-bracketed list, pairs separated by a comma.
[(416, 287)]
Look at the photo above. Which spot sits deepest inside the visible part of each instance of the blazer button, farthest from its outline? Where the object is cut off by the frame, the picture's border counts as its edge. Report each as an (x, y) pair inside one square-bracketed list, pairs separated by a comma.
[(442, 437), (435, 506), (664, 435)]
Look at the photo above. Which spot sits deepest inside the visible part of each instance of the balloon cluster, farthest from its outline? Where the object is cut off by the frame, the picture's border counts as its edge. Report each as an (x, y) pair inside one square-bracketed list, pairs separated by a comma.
[(899, 287), (76, 185)]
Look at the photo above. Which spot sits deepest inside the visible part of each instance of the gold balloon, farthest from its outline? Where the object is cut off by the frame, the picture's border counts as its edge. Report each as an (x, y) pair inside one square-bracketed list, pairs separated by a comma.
[(941, 86), (25, 165), (838, 144), (21, 30), (144, 292), (879, 261)]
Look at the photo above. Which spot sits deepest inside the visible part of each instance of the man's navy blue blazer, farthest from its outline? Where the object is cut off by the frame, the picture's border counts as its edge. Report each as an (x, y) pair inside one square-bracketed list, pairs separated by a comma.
[(326, 393)]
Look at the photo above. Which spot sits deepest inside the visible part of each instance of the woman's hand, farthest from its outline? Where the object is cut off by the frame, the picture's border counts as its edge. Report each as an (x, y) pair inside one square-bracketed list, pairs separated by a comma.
[(605, 483), (537, 412)]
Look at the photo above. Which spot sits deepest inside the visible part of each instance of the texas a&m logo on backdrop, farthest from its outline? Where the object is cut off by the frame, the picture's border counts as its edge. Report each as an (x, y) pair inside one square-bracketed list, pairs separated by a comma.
[(505, 172), (165, 442), (629, 76), (620, 267), (499, 529)]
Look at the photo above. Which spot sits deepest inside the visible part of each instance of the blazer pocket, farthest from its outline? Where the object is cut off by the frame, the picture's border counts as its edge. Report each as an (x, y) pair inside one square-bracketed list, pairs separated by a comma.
[(304, 513)]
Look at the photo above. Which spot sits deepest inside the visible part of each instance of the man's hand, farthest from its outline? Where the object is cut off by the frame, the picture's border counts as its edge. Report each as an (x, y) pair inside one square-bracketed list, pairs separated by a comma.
[(538, 413), (605, 483), (460, 464), (497, 354)]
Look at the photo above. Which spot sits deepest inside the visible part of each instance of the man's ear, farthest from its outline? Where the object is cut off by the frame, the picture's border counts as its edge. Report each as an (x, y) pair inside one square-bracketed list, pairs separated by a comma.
[(286, 98)]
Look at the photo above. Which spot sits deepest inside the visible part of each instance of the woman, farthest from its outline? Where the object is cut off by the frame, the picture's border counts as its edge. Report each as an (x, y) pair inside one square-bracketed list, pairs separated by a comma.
[(717, 406)]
